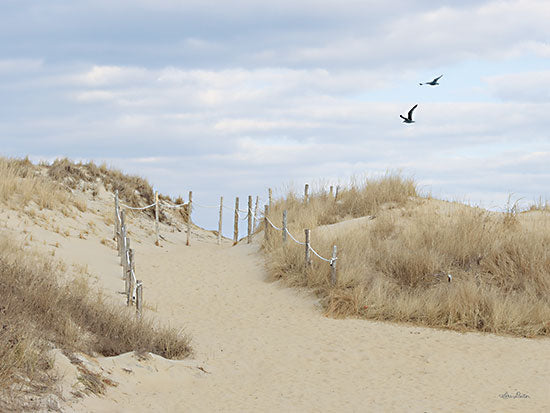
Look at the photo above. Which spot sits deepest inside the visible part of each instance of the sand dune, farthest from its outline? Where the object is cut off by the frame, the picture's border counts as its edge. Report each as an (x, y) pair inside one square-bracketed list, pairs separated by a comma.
[(262, 347)]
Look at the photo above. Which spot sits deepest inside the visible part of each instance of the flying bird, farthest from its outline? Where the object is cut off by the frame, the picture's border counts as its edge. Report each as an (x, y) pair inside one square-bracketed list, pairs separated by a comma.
[(409, 118), (433, 82)]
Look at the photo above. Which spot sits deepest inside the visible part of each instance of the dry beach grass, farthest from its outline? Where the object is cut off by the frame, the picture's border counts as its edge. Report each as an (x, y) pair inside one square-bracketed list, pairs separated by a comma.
[(40, 309), (393, 265)]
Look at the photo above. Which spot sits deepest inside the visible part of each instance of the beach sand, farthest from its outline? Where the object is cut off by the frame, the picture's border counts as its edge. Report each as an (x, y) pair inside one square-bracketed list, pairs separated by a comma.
[(263, 347)]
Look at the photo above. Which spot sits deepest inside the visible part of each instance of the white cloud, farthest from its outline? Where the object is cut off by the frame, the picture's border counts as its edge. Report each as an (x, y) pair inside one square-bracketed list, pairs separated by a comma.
[(112, 76), (95, 96)]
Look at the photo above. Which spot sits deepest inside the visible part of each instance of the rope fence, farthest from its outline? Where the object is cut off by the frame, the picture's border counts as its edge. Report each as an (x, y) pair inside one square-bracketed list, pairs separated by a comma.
[(137, 208), (134, 287)]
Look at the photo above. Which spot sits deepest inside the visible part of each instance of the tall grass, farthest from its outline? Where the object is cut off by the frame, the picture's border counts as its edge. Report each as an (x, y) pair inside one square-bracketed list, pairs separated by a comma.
[(39, 312), (53, 186), (21, 183), (395, 265), (132, 189)]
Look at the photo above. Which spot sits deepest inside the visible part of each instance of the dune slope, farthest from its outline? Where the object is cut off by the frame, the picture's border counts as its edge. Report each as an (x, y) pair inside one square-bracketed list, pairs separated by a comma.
[(262, 347)]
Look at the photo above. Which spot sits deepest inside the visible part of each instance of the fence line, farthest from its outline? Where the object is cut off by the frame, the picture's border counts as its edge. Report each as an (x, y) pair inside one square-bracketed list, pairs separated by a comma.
[(133, 287), (251, 215)]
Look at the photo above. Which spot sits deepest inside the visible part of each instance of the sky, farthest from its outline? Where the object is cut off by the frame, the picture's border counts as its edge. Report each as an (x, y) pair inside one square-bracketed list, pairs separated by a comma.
[(229, 98)]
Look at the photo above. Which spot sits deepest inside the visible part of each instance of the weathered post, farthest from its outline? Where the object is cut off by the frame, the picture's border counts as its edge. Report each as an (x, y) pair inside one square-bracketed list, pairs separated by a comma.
[(120, 231), (131, 288), (336, 194), (117, 223), (333, 266), (220, 222), (122, 234), (189, 209), (139, 298), (331, 191), (236, 224), (270, 199), (126, 261), (157, 242), (308, 255), (266, 227), (124, 246), (249, 219), (284, 226), (306, 194), (255, 212), (128, 281)]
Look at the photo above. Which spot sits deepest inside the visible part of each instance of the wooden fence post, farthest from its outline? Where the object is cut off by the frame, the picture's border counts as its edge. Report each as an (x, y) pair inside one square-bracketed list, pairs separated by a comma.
[(236, 225), (331, 191), (122, 234), (270, 198), (120, 241), (333, 266), (266, 228), (336, 194), (284, 226), (249, 219), (126, 261), (157, 242), (131, 289), (306, 194), (220, 222), (131, 299), (124, 245), (139, 298), (189, 209), (121, 228), (117, 223), (308, 255), (128, 281), (255, 212)]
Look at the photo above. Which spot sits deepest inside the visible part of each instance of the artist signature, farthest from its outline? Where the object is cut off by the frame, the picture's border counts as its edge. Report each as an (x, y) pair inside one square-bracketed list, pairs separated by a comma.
[(517, 395)]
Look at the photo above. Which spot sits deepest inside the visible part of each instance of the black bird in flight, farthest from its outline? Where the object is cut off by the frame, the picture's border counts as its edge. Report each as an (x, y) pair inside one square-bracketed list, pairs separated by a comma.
[(433, 82), (409, 118)]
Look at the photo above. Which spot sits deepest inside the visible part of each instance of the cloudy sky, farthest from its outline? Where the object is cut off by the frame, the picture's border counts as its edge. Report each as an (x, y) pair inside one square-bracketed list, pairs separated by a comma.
[(231, 97)]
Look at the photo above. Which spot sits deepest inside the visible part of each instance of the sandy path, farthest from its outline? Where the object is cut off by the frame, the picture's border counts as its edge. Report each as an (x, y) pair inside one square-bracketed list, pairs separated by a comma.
[(268, 348)]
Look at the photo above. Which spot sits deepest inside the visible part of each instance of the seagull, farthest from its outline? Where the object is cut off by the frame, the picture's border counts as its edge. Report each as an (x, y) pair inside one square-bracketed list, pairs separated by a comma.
[(433, 82), (409, 118)]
